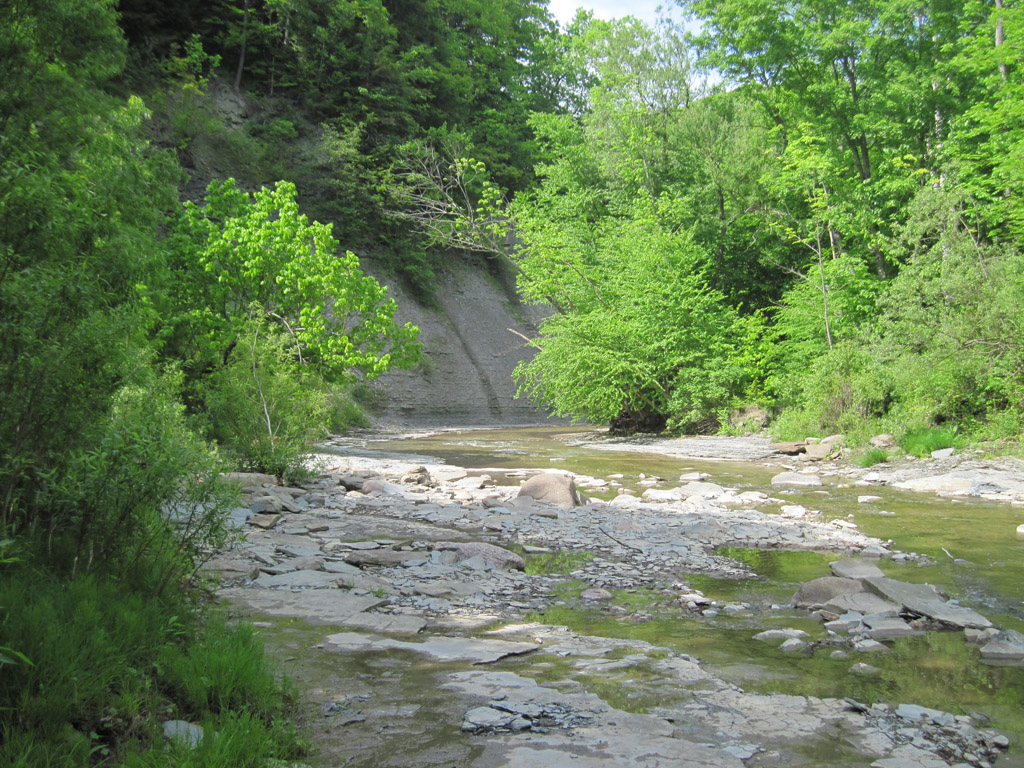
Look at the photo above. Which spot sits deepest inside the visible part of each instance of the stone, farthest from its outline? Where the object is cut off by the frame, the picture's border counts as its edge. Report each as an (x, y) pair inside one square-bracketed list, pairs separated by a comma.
[(183, 733), (501, 558), (1000, 652), (884, 440), (789, 448), (916, 714), (305, 579), (868, 499), (264, 521), (473, 649), (793, 645), (848, 622), (861, 668), (691, 477), (248, 479), (384, 557), (869, 646), (834, 440), (596, 595), (926, 601), (487, 719), (770, 635), (818, 452), (943, 453), (855, 568), (821, 591), (874, 552), (701, 489), (797, 478), (559, 490), (1020, 528), (887, 627), (265, 504), (863, 603)]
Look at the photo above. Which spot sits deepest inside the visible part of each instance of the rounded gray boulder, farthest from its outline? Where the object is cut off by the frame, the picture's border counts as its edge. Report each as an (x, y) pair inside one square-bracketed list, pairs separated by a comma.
[(554, 489)]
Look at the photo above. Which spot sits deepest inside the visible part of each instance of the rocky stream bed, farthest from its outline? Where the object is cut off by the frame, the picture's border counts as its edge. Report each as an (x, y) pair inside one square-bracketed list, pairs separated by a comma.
[(410, 603)]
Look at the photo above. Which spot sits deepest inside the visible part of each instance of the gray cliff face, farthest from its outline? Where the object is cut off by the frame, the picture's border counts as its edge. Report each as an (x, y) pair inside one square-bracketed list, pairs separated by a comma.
[(470, 348)]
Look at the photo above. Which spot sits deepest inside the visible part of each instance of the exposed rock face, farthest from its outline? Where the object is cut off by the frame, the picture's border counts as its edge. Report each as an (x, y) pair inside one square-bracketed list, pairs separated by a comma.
[(471, 345), (924, 600), (554, 489)]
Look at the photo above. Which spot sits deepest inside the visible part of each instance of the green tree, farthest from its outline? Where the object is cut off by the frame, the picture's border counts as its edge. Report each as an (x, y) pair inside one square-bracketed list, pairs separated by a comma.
[(241, 253)]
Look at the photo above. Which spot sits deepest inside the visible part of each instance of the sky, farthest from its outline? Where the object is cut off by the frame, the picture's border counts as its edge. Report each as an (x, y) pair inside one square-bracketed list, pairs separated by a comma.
[(645, 10)]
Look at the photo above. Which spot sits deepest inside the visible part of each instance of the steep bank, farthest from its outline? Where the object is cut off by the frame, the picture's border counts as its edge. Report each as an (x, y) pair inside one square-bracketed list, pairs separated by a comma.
[(472, 341)]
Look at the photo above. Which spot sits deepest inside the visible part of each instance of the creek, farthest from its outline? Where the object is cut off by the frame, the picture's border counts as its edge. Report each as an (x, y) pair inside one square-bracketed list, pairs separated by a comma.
[(972, 548)]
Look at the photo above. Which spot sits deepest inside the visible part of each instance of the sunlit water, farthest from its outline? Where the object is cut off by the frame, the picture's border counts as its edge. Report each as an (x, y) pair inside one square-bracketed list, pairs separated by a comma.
[(937, 670)]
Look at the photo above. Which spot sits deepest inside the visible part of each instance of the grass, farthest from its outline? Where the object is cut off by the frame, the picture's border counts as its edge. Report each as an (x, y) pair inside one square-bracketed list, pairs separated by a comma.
[(873, 456), (557, 563), (109, 664), (922, 441)]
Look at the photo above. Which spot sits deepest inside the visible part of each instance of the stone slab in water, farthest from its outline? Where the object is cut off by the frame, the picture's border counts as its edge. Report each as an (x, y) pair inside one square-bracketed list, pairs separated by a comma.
[(796, 478), (473, 649), (855, 568), (922, 599), (862, 602), (319, 606)]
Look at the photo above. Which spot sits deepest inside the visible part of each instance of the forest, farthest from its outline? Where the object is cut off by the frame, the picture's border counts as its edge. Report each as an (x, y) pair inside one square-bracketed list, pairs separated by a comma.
[(804, 217)]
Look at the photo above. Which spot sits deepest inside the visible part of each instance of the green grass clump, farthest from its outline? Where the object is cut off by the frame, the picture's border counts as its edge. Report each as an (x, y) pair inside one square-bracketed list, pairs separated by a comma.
[(922, 441), (102, 664), (873, 456), (560, 563)]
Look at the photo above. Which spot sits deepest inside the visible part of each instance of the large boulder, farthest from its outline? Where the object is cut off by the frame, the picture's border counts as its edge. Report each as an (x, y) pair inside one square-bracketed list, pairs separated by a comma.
[(820, 591), (554, 489)]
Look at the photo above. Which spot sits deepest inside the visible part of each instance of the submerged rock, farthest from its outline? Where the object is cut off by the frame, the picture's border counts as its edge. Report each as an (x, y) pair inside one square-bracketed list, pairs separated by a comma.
[(821, 591)]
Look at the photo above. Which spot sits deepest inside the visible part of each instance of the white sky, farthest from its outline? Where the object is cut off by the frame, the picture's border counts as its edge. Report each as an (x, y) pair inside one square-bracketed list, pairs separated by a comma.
[(645, 10)]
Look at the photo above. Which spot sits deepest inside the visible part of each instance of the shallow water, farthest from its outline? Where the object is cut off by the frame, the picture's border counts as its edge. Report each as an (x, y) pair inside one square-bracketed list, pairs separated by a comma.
[(937, 670)]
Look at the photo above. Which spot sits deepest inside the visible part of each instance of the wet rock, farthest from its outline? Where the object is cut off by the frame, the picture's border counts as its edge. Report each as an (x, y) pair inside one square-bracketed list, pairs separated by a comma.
[(863, 603), (472, 649), (559, 490), (464, 550), (823, 590), (869, 646), (887, 627), (926, 601), (596, 595), (797, 479), (1005, 649), (855, 568), (916, 714)]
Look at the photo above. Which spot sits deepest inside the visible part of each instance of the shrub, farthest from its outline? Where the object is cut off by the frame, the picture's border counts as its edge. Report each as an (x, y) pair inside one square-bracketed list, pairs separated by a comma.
[(263, 407)]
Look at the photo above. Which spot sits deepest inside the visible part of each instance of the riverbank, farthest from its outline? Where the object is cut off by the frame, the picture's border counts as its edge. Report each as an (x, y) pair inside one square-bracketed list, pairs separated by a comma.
[(388, 582)]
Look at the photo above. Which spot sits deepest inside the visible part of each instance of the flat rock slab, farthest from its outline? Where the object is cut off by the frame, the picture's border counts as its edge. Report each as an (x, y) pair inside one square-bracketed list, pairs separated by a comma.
[(385, 557), (320, 606), (922, 599), (864, 603), (399, 624), (796, 478), (305, 579), (473, 649), (855, 568), (821, 591), (614, 739)]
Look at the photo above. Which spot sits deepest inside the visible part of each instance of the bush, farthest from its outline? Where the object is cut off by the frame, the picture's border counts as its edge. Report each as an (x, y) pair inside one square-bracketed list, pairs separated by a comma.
[(263, 407), (110, 662)]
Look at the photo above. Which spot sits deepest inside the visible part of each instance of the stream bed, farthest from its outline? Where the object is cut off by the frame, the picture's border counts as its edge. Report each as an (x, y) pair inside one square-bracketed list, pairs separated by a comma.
[(967, 547)]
